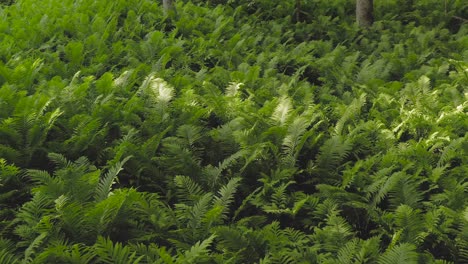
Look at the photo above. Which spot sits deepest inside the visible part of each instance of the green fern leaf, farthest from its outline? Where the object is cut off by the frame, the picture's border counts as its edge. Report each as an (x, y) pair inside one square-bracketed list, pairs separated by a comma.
[(213, 174), (351, 112), (293, 139), (188, 190), (347, 253), (111, 253), (403, 253), (198, 211), (196, 251), (226, 194), (190, 134), (35, 244), (332, 152), (8, 258), (104, 187), (59, 160)]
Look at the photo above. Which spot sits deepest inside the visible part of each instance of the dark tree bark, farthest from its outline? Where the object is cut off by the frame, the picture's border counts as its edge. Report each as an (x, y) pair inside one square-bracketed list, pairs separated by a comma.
[(364, 13)]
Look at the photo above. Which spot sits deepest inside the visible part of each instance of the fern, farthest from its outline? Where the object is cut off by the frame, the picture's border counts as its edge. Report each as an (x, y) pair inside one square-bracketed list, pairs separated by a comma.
[(410, 221), (351, 112), (233, 89), (451, 151), (31, 250), (359, 251), (331, 154), (60, 160), (403, 253), (294, 139), (198, 211), (347, 253), (190, 134), (31, 214), (7, 257), (381, 187), (282, 110), (406, 191), (197, 251), (110, 252), (104, 187), (110, 211), (226, 195), (212, 175), (188, 190)]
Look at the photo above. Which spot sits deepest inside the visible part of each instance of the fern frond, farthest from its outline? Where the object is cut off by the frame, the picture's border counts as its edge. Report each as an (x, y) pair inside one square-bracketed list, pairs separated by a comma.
[(292, 141), (104, 187), (359, 251), (332, 152), (451, 151), (346, 254), (226, 194), (61, 252), (232, 89), (157, 89), (199, 210), (282, 110), (44, 178), (403, 253), (59, 160), (381, 187), (196, 251), (410, 221), (406, 191), (190, 134), (35, 244), (7, 257), (188, 190), (152, 253), (32, 211), (213, 174), (351, 111), (108, 252)]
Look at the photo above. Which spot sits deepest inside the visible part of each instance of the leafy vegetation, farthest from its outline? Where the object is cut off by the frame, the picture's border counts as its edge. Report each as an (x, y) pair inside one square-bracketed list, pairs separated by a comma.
[(238, 132)]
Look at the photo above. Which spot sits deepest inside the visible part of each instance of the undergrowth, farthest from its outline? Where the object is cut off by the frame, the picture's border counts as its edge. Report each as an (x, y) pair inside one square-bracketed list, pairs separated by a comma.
[(234, 133)]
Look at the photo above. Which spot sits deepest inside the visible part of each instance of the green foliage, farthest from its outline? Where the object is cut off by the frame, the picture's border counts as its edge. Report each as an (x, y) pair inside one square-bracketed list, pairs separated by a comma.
[(238, 132)]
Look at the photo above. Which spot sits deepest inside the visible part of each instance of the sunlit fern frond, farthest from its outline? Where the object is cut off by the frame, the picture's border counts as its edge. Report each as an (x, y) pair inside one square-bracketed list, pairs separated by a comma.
[(293, 141), (156, 89), (233, 89), (282, 110)]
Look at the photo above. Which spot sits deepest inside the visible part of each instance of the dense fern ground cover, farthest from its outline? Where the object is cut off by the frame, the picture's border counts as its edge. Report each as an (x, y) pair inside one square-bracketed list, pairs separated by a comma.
[(234, 133)]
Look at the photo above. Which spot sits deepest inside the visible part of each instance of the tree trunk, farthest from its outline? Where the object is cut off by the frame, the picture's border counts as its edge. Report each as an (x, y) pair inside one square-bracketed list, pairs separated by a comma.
[(364, 12), (169, 8)]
